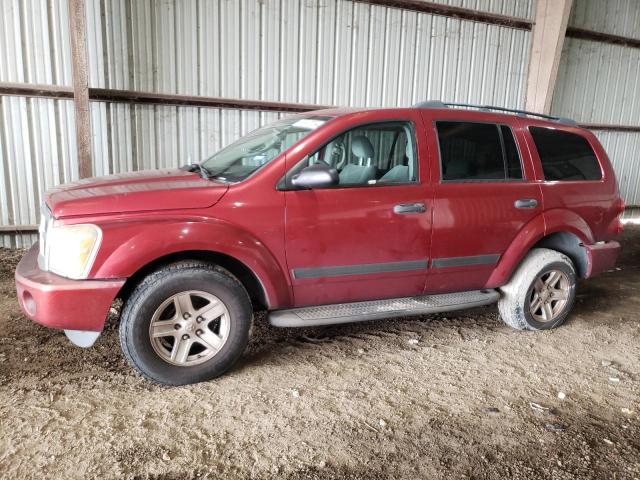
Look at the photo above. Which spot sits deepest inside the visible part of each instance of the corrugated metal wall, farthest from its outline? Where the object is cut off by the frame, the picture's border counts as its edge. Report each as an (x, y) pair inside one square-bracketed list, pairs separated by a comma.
[(623, 149), (333, 52), (37, 142), (512, 8), (323, 52), (600, 83), (308, 51), (617, 17)]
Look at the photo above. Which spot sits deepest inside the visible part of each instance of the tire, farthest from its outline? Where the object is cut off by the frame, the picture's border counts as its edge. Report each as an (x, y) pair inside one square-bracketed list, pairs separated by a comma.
[(520, 296), (168, 358)]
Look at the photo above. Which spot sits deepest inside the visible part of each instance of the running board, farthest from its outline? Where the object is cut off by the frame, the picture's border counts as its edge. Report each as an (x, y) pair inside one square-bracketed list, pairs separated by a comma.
[(371, 310)]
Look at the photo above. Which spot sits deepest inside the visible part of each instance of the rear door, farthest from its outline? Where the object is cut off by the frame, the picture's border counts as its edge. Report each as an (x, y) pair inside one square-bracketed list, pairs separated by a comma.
[(485, 196), (368, 237)]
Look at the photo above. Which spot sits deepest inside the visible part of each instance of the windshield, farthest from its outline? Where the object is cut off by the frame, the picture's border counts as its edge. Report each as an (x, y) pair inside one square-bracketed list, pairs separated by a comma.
[(247, 154)]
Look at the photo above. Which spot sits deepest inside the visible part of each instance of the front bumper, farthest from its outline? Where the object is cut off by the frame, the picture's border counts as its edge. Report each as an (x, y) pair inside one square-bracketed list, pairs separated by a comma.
[(58, 302), (602, 257)]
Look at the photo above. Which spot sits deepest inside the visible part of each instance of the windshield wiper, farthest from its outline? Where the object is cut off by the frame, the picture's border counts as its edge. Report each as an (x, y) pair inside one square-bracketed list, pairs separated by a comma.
[(197, 167)]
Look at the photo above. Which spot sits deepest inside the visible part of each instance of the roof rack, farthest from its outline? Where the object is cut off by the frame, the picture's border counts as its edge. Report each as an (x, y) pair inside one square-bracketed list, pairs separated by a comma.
[(439, 104)]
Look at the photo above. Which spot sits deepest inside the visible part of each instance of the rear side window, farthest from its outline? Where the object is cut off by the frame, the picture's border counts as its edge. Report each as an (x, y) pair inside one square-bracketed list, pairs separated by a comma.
[(565, 156), (477, 152)]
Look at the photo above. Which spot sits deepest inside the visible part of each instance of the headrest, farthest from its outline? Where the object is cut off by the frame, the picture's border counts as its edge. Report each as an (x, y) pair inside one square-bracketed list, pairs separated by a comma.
[(361, 147)]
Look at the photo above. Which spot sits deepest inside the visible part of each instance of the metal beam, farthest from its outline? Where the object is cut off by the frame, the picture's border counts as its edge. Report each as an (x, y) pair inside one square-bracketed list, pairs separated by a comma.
[(152, 98), (126, 96), (454, 12), (106, 95), (611, 127), (602, 37), (80, 73), (18, 228), (35, 90), (548, 35)]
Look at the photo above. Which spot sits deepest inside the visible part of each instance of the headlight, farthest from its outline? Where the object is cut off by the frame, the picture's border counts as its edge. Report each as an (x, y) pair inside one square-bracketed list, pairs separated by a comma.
[(71, 249)]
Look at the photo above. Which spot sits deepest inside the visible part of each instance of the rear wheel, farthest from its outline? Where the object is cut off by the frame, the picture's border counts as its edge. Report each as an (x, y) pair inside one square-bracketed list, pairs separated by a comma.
[(186, 323), (541, 292)]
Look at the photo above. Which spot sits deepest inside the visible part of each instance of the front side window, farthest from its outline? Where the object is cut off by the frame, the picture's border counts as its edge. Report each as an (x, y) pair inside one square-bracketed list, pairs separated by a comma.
[(251, 152), (376, 154), (565, 156), (477, 152)]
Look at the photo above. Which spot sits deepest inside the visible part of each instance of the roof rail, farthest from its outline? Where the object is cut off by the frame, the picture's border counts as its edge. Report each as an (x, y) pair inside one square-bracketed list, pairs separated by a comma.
[(439, 104)]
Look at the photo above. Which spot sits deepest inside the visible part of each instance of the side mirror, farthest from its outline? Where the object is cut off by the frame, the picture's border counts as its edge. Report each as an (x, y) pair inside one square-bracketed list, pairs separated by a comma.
[(318, 175)]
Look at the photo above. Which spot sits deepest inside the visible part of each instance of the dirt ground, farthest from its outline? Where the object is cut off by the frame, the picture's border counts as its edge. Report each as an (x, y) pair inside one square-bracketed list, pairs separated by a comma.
[(438, 396)]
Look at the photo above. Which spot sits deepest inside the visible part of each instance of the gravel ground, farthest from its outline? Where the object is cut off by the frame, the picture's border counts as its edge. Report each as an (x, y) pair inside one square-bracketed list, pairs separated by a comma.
[(438, 396)]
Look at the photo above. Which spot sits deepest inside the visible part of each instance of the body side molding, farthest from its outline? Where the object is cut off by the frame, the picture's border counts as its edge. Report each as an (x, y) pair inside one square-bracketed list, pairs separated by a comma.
[(361, 269), (449, 262)]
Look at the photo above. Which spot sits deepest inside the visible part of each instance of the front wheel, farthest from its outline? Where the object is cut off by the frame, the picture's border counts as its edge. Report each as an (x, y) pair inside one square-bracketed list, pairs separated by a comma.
[(186, 323), (541, 292)]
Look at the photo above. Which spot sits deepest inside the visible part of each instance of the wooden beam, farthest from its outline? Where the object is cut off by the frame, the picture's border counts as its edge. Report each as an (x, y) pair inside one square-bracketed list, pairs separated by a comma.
[(546, 46), (80, 74)]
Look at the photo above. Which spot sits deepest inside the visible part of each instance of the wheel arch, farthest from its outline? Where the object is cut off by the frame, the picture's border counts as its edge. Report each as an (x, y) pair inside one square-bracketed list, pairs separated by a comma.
[(570, 245), (132, 249), (560, 230), (235, 267)]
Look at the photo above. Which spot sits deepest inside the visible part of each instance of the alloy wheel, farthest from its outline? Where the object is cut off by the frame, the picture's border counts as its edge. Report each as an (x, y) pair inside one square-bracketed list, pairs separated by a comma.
[(189, 328), (549, 296)]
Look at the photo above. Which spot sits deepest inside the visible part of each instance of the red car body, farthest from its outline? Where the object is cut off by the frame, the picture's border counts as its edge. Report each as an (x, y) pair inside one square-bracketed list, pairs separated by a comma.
[(264, 234)]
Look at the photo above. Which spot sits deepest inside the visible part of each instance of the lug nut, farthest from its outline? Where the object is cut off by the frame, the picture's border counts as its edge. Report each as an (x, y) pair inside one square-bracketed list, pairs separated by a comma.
[(186, 316), (199, 319), (185, 337), (199, 332), (177, 326)]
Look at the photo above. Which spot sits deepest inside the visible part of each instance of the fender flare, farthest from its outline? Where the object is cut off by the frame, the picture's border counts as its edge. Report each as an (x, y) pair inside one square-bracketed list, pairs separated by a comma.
[(133, 245), (542, 225), (563, 220)]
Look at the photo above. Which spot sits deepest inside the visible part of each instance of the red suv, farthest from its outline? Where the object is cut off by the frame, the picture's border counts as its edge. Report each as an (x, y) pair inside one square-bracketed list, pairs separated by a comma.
[(328, 217)]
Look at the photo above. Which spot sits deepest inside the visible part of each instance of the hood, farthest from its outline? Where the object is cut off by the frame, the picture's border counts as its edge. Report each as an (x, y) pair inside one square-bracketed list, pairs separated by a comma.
[(134, 192)]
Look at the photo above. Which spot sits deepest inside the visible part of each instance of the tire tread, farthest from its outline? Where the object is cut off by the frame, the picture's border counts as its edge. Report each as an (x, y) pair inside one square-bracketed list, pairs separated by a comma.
[(151, 282), (511, 304)]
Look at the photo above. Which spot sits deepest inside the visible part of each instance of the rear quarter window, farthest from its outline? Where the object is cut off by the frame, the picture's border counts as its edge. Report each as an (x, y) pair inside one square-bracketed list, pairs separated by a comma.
[(565, 156)]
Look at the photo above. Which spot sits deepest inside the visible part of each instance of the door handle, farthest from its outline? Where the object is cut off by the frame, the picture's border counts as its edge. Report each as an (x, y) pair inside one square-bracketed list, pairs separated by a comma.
[(526, 203), (407, 208)]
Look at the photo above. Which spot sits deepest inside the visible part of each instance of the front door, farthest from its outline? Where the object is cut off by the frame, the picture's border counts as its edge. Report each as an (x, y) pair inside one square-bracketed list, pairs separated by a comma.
[(367, 237)]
